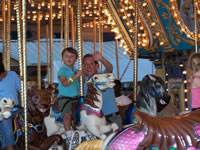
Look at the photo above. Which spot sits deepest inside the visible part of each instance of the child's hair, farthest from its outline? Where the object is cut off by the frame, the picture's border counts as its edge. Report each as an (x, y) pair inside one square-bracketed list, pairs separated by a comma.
[(2, 68), (70, 50), (193, 65)]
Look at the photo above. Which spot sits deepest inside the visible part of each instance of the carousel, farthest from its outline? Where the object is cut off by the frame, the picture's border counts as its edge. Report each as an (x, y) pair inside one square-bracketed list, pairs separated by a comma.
[(162, 31)]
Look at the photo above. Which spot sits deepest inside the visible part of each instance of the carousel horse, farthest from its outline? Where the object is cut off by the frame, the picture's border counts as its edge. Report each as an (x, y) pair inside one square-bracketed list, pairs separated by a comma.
[(151, 99), (6, 104), (152, 94), (91, 109), (92, 117), (147, 132), (38, 105)]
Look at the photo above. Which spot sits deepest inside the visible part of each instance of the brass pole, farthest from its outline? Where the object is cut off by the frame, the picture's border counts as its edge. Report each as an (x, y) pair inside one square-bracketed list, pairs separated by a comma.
[(117, 58), (195, 24), (24, 70), (135, 54), (66, 29), (38, 65), (75, 31), (20, 49), (100, 35), (51, 41), (61, 34), (80, 46), (72, 28), (95, 34), (47, 43), (8, 40), (4, 31)]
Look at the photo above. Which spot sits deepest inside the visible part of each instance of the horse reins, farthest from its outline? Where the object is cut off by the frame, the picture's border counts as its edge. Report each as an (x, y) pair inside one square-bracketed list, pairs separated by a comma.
[(68, 98), (96, 85)]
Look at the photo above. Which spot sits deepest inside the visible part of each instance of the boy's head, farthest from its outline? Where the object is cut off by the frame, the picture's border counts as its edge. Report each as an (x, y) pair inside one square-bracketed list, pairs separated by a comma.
[(70, 50), (69, 56)]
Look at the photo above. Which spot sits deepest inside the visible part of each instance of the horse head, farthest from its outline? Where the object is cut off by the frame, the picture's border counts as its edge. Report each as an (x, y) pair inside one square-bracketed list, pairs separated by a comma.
[(152, 94), (97, 84), (39, 101), (6, 104), (102, 81)]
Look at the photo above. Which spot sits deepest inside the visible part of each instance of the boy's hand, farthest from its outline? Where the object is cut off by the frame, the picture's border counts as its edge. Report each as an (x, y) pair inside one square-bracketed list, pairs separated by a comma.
[(79, 73)]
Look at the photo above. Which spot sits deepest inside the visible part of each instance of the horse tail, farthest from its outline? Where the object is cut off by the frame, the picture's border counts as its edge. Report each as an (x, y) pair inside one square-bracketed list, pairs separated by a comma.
[(90, 145)]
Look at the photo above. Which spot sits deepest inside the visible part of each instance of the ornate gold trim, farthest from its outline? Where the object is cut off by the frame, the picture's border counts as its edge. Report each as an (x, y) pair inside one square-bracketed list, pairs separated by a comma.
[(122, 29)]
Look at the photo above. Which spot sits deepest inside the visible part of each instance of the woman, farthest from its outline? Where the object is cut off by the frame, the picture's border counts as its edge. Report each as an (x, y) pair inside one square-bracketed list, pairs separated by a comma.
[(9, 88)]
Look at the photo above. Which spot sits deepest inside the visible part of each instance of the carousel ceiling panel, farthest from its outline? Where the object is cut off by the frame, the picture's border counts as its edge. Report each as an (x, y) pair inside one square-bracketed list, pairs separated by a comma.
[(163, 25)]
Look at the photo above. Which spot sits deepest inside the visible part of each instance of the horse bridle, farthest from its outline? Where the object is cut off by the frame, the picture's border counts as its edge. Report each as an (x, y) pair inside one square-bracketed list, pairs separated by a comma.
[(96, 85), (30, 125), (154, 91)]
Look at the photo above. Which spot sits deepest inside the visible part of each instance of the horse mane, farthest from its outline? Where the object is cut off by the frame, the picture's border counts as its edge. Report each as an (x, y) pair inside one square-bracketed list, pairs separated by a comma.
[(91, 95), (169, 132)]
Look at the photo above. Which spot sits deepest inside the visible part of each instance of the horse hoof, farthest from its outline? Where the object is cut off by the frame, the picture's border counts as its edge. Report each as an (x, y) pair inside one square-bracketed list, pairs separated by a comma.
[(103, 136), (114, 127)]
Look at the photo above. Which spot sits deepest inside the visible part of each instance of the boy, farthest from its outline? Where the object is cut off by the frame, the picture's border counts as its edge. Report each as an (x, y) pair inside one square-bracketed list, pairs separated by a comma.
[(68, 87)]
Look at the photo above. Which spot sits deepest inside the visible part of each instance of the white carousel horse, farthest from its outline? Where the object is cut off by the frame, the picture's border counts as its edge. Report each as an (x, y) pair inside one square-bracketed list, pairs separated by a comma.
[(91, 109), (6, 104), (91, 114)]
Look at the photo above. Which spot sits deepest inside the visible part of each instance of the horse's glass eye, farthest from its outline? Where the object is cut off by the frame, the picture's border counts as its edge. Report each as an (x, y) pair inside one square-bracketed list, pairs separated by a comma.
[(95, 78)]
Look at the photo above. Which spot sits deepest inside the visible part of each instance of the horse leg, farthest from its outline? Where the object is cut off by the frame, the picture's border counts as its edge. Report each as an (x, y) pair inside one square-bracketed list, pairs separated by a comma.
[(82, 127), (105, 128), (47, 143), (95, 130), (114, 127)]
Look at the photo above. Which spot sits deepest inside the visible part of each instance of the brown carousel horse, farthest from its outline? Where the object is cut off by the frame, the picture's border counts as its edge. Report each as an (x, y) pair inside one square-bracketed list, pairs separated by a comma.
[(38, 105), (180, 132)]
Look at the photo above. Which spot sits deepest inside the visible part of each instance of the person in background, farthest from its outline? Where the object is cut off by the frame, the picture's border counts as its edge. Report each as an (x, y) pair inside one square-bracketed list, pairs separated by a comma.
[(68, 88), (9, 88), (123, 102), (193, 72), (90, 67), (120, 98)]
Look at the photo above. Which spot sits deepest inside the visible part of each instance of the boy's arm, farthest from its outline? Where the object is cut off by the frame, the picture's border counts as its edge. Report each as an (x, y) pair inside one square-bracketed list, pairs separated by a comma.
[(66, 81)]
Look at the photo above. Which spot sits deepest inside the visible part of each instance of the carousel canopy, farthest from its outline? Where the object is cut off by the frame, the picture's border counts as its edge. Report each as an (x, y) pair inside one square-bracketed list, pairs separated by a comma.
[(163, 25)]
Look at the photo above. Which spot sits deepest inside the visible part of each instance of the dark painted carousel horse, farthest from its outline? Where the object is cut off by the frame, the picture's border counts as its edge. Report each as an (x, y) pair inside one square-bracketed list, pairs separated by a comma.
[(152, 97), (38, 105)]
